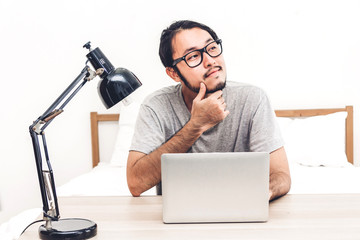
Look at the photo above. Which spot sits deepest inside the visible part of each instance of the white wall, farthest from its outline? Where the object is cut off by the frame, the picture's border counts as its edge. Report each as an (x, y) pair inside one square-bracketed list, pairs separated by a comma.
[(305, 54)]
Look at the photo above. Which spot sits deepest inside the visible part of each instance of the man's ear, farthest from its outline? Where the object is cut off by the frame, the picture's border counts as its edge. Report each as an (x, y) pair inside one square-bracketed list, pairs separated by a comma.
[(173, 74)]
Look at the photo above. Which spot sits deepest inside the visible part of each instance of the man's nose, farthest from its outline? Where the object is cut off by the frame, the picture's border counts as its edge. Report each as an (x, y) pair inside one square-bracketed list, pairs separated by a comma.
[(208, 60)]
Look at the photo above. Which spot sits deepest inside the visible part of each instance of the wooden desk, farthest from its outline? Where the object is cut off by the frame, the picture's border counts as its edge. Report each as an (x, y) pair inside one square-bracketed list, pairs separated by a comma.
[(335, 216)]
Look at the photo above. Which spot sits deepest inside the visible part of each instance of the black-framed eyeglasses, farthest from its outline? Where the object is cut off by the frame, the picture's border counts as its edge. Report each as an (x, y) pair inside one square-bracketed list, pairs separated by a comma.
[(195, 58)]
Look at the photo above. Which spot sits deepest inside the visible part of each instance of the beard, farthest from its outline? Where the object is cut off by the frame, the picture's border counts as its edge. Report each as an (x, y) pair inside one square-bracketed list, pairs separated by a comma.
[(219, 86)]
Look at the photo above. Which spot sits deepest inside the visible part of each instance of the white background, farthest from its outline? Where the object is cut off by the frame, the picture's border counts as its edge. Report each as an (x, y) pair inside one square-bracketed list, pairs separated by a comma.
[(304, 54)]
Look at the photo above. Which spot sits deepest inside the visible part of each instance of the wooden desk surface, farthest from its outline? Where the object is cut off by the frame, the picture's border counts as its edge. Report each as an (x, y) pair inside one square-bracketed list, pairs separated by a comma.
[(335, 216)]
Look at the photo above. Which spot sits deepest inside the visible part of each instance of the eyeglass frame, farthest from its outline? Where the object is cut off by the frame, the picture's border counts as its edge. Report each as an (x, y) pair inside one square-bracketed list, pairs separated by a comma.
[(202, 50)]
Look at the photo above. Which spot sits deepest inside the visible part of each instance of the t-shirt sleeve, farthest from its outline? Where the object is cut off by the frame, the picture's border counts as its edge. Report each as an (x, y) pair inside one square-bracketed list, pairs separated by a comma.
[(148, 133), (265, 135)]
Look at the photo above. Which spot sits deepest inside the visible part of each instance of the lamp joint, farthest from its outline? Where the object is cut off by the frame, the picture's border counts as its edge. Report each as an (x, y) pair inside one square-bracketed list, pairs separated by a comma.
[(92, 74), (37, 126)]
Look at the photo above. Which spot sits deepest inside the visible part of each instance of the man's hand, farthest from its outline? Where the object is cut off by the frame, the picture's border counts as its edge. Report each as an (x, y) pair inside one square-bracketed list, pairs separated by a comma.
[(209, 111)]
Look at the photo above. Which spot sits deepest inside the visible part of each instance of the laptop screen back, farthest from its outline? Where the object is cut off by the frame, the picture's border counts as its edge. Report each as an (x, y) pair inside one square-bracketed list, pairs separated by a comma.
[(215, 187)]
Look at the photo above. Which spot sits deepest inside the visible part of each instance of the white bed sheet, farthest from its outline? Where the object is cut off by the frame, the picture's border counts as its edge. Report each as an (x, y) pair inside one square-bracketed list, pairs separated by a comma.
[(110, 180), (324, 180), (105, 179)]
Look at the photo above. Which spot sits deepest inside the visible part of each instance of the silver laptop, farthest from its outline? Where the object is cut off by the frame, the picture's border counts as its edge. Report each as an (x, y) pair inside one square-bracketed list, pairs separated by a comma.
[(215, 187)]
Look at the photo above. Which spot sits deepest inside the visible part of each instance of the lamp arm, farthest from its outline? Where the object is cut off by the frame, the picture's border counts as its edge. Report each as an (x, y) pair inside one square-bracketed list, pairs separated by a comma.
[(45, 176), (48, 115)]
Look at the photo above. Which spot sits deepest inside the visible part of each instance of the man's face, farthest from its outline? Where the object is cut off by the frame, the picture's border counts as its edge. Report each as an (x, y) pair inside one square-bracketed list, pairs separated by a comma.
[(212, 70)]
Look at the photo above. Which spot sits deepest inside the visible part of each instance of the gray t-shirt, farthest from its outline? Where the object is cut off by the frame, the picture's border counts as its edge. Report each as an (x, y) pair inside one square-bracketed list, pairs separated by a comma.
[(250, 126)]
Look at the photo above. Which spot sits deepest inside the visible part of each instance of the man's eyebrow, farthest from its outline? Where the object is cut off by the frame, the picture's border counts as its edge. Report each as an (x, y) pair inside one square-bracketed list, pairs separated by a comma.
[(194, 48)]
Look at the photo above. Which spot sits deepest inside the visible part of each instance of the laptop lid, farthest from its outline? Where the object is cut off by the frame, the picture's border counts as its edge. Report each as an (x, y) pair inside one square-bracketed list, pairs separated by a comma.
[(215, 187)]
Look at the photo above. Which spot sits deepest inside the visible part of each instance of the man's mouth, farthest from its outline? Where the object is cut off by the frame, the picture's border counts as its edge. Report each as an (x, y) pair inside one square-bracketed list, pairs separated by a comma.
[(212, 71)]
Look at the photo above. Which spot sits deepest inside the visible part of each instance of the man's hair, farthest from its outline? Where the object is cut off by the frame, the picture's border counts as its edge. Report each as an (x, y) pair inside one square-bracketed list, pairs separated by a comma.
[(165, 48)]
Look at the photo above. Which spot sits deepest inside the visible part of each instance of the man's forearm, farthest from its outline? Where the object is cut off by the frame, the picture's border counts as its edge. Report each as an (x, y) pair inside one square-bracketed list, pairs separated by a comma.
[(280, 183), (145, 172)]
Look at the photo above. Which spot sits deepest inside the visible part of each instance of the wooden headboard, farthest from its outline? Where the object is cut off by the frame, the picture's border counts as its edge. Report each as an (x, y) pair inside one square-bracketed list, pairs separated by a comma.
[(95, 118), (349, 145)]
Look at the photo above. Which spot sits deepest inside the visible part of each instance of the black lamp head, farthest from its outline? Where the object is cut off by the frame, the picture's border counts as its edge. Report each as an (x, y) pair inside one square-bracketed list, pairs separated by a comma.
[(115, 84)]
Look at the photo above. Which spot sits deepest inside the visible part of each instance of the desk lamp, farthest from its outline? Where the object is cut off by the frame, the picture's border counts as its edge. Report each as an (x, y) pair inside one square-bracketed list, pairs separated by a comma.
[(114, 86)]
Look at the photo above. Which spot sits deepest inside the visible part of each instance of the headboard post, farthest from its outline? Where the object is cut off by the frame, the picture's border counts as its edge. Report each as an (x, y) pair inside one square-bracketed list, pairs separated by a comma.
[(94, 139), (350, 134)]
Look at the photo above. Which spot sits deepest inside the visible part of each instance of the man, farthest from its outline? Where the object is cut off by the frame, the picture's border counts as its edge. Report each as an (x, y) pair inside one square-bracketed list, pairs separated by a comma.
[(203, 113)]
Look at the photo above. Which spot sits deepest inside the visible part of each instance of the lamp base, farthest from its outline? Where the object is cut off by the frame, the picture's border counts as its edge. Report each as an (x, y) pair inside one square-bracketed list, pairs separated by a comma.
[(70, 228)]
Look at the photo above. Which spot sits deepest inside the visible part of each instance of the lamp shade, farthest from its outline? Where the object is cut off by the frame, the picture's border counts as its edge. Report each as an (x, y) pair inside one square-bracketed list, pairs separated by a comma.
[(115, 84)]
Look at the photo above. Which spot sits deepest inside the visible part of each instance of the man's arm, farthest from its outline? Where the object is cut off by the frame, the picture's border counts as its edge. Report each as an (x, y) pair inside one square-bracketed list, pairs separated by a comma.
[(144, 170), (280, 180)]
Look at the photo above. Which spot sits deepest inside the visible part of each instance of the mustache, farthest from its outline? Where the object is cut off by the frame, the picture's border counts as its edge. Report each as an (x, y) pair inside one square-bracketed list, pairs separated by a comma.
[(212, 69)]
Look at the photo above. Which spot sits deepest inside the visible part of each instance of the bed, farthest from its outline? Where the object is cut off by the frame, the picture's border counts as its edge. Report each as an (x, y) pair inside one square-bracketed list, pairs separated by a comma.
[(319, 145)]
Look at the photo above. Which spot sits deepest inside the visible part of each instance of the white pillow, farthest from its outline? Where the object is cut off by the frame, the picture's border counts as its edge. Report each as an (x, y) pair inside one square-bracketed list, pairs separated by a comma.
[(315, 141), (128, 115)]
